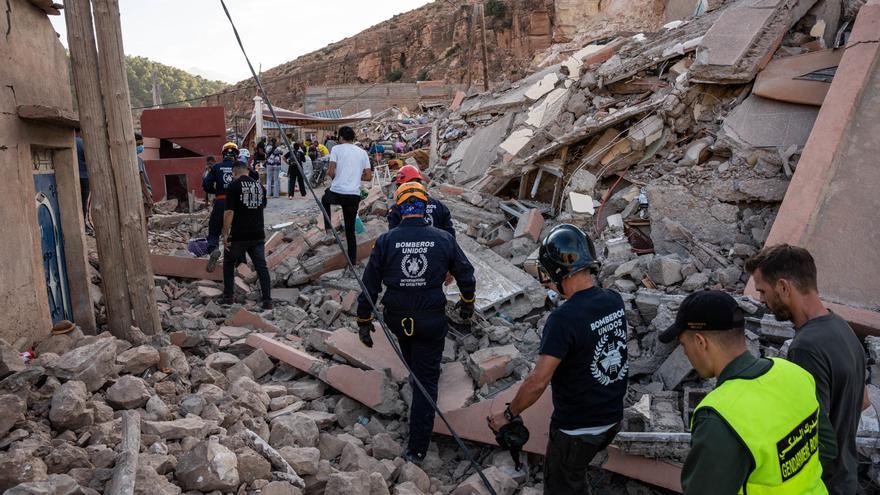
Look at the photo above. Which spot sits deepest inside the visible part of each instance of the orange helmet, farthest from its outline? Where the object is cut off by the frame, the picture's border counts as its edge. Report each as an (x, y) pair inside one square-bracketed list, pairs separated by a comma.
[(229, 149), (411, 191), (408, 173)]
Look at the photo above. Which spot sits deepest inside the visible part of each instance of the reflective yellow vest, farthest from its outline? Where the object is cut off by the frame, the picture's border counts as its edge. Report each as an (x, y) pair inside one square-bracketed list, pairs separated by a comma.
[(777, 417)]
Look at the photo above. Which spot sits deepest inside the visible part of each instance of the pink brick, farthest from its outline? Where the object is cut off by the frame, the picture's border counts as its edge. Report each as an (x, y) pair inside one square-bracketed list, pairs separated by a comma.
[(182, 267), (347, 345), (300, 360), (244, 318)]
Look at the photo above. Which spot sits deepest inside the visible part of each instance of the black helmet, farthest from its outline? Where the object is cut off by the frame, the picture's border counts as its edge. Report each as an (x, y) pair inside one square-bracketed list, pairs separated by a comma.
[(513, 436), (566, 250)]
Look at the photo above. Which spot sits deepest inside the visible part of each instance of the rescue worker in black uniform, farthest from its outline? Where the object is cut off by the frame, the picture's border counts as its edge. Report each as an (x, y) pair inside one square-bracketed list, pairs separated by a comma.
[(216, 181), (436, 214), (412, 261)]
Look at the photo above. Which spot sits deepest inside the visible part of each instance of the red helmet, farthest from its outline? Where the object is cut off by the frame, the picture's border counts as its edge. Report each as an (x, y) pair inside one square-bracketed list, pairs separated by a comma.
[(408, 173)]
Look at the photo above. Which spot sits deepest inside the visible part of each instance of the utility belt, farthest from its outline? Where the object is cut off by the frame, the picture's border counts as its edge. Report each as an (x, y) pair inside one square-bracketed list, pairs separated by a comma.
[(408, 318), (219, 196)]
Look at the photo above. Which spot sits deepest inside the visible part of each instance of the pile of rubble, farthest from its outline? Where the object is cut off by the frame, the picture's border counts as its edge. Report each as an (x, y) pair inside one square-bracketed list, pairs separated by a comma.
[(659, 143), (673, 149)]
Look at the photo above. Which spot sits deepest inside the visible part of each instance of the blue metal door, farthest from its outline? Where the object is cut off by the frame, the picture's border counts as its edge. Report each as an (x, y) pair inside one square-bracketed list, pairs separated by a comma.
[(51, 236)]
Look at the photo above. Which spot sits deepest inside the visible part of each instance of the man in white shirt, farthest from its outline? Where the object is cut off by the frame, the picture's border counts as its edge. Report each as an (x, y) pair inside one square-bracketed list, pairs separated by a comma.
[(349, 165)]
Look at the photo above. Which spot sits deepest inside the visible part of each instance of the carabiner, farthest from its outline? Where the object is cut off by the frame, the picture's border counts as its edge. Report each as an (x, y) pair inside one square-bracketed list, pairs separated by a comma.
[(412, 325)]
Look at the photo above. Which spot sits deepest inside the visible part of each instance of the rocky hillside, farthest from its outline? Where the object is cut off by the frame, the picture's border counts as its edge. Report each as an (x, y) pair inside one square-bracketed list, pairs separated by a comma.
[(432, 42)]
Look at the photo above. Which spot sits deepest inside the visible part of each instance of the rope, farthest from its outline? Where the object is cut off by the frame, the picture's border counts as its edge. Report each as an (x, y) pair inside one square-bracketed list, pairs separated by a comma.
[(350, 266)]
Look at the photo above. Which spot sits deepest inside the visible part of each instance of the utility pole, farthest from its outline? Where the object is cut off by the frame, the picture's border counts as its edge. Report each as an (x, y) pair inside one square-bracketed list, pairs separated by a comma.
[(120, 133), (105, 214), (157, 96), (485, 57), (108, 134), (472, 33)]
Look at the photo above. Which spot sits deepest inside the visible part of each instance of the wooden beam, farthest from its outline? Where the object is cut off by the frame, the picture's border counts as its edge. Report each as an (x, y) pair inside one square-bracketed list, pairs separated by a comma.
[(120, 134), (48, 115), (125, 472), (84, 61)]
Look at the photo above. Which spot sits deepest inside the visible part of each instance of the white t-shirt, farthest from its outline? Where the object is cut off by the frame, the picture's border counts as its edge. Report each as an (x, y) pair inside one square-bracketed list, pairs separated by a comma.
[(351, 161)]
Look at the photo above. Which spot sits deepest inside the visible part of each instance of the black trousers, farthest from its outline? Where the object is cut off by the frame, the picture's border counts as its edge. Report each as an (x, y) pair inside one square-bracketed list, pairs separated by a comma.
[(349, 204), (294, 175), (84, 199), (421, 341), (235, 254), (215, 224), (567, 459)]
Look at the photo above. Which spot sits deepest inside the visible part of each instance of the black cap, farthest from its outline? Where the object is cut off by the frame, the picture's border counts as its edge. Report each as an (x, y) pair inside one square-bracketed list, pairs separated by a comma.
[(703, 311)]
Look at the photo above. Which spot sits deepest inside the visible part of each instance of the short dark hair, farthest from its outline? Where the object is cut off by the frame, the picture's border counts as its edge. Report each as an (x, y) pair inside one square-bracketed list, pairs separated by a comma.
[(724, 338), (239, 166), (784, 261), (346, 133), (138, 137)]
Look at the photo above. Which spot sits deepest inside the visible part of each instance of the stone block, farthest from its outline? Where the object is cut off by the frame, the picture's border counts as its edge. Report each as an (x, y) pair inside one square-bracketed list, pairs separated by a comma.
[(530, 224), (490, 364), (665, 270), (209, 466), (675, 369), (259, 363)]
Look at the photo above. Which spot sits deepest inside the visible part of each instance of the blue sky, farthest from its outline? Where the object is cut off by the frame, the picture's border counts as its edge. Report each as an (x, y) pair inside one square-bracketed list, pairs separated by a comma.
[(195, 35)]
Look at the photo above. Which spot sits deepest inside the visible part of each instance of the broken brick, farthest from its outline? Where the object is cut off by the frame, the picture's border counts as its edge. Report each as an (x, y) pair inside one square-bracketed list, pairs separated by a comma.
[(178, 266), (244, 318)]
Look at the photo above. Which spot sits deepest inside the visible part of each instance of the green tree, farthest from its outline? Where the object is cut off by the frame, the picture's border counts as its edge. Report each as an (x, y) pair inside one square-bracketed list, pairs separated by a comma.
[(174, 84)]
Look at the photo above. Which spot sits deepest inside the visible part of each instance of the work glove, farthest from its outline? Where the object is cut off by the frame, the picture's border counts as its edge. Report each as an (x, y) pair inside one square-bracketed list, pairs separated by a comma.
[(365, 328), (465, 308)]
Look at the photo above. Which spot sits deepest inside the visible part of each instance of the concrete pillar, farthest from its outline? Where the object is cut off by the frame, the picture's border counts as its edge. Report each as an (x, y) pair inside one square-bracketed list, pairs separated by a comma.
[(258, 117)]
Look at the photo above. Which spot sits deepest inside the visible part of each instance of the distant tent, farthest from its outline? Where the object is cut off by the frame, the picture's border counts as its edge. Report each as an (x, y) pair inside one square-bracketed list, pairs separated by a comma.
[(325, 119)]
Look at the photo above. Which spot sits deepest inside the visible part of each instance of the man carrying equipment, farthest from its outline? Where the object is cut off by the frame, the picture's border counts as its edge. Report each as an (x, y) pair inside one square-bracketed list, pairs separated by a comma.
[(583, 353), (436, 214), (761, 430), (216, 181), (412, 261)]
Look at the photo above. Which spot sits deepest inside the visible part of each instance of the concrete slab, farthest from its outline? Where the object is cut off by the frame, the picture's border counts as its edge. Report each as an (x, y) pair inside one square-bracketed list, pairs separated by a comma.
[(764, 123), (371, 388), (545, 112), (517, 140), (455, 388), (654, 471), (381, 356), (244, 318), (542, 87), (783, 78), (296, 248), (833, 194), (297, 358), (179, 266), (470, 422), (482, 152), (501, 286), (743, 40), (511, 99)]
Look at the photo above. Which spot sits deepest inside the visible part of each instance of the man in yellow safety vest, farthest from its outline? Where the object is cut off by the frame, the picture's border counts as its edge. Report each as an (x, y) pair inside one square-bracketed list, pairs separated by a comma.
[(760, 431)]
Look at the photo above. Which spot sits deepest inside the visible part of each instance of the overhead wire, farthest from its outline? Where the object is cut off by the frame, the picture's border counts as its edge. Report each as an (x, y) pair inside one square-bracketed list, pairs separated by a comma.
[(374, 309)]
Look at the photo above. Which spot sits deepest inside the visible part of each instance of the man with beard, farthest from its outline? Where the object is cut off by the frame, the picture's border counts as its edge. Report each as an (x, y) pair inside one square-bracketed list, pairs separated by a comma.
[(824, 344)]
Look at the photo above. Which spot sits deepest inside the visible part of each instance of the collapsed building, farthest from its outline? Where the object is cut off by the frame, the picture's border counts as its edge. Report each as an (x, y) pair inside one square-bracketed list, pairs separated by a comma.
[(680, 151)]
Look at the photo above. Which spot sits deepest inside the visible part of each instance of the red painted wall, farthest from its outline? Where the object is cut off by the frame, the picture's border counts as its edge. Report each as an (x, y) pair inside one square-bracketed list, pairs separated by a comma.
[(193, 168)]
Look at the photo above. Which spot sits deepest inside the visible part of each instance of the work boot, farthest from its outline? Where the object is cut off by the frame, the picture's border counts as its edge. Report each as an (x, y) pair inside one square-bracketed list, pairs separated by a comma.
[(227, 300), (212, 260), (268, 305), (413, 457)]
